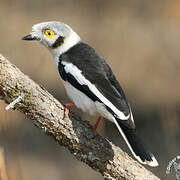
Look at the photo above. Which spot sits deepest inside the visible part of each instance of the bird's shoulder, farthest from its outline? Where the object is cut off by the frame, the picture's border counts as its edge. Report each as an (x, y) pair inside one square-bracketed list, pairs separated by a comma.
[(85, 58)]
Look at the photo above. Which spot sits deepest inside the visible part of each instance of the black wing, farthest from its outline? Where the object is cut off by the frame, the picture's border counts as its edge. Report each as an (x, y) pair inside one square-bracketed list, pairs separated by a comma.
[(98, 72)]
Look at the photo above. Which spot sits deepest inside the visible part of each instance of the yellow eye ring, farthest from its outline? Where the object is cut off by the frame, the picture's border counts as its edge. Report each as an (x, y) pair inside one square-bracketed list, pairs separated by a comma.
[(49, 33)]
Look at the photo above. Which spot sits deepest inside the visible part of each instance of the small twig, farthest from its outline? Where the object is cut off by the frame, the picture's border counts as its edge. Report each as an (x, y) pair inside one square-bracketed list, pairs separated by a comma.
[(12, 104)]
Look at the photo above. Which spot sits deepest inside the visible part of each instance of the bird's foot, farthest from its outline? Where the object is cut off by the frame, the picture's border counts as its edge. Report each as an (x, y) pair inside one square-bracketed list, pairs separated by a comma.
[(68, 107)]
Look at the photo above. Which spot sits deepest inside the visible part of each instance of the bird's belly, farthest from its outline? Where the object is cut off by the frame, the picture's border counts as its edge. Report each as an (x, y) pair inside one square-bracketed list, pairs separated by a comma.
[(80, 99), (85, 103)]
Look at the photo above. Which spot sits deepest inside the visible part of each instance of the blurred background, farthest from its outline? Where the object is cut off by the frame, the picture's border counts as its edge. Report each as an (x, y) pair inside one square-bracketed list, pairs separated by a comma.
[(141, 42)]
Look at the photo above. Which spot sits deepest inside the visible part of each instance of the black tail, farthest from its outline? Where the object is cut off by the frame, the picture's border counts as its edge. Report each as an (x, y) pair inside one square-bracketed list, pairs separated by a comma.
[(136, 146)]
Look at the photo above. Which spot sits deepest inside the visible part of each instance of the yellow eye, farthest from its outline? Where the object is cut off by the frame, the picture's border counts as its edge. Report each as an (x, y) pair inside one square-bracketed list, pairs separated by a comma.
[(49, 33)]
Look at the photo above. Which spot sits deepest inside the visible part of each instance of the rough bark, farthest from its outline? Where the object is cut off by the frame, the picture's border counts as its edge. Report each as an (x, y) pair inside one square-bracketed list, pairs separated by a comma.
[(71, 132)]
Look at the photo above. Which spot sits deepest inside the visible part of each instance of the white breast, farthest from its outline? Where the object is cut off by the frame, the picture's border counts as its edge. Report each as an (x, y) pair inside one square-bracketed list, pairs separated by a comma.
[(80, 99)]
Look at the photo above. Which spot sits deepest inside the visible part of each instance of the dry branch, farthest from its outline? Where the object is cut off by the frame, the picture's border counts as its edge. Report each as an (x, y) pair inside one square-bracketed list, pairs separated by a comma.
[(72, 132)]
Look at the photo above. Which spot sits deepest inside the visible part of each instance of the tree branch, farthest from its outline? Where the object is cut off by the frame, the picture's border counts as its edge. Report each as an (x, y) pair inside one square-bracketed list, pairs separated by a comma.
[(71, 132)]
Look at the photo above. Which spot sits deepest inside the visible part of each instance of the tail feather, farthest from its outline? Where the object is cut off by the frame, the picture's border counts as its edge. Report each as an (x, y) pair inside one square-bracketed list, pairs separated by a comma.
[(136, 146)]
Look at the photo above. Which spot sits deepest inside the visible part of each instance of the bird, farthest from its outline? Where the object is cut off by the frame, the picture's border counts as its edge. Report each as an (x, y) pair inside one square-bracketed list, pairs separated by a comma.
[(90, 83)]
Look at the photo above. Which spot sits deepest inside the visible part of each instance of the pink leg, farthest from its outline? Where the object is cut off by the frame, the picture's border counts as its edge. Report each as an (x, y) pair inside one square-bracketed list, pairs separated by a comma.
[(68, 106), (97, 123)]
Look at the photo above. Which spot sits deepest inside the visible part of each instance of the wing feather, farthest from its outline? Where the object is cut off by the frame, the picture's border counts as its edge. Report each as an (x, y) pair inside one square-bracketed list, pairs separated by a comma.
[(98, 73)]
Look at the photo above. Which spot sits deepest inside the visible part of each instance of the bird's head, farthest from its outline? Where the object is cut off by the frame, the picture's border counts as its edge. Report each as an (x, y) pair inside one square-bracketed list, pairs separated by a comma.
[(56, 36)]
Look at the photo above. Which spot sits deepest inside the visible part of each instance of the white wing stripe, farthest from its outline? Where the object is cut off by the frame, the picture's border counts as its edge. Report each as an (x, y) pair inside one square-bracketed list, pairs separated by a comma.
[(70, 68)]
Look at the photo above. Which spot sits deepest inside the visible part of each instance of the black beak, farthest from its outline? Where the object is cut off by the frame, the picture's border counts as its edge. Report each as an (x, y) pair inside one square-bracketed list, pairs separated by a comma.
[(29, 38)]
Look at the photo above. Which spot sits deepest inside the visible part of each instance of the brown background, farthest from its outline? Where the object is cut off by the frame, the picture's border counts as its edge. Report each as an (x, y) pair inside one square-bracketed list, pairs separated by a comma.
[(139, 39)]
